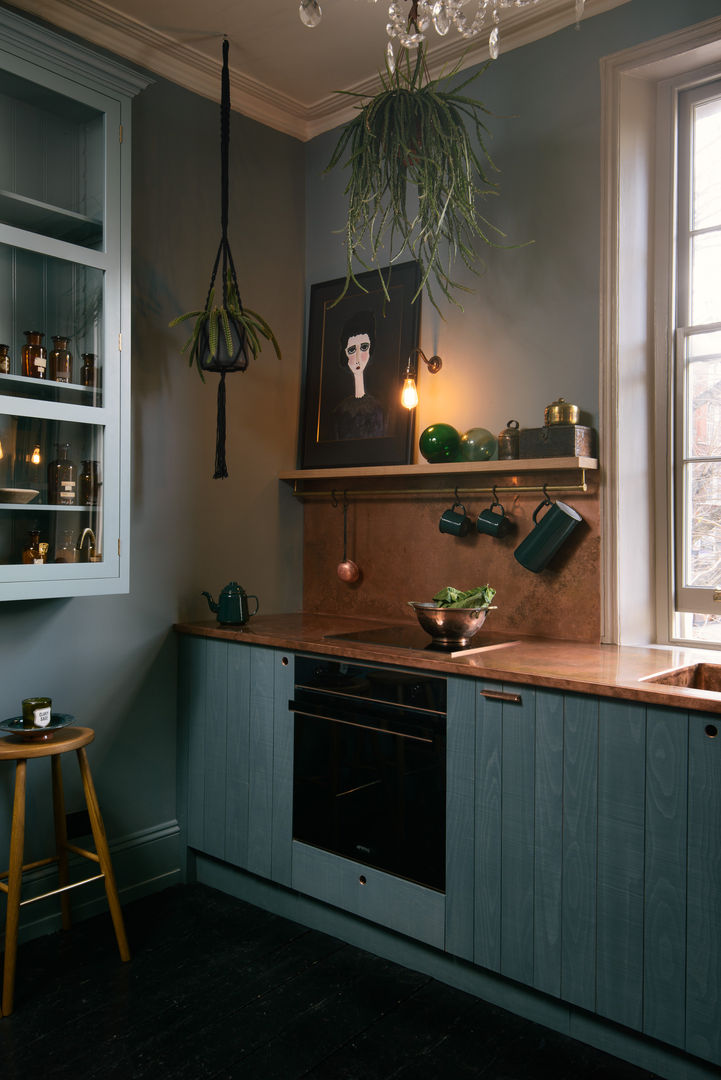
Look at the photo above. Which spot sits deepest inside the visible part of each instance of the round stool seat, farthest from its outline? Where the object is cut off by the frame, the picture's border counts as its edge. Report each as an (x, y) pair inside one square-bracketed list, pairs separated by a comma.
[(13, 747)]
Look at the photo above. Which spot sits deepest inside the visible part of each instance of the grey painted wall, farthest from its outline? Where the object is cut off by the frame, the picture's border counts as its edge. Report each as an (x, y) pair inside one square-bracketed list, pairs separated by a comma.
[(530, 330), (111, 661)]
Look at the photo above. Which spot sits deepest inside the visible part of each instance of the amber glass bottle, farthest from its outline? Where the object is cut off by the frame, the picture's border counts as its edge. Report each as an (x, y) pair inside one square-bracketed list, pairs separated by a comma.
[(87, 371), (31, 551), (61, 361), (61, 478), (35, 358), (88, 483)]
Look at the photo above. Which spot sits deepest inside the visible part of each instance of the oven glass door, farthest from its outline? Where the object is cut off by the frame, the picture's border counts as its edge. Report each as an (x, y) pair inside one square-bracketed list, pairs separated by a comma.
[(369, 784)]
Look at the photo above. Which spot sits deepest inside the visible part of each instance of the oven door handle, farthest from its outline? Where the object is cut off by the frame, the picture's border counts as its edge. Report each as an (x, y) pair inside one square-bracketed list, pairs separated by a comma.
[(295, 707)]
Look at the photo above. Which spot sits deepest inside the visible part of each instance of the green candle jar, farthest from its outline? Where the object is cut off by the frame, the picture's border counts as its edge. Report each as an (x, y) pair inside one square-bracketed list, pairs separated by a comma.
[(37, 712)]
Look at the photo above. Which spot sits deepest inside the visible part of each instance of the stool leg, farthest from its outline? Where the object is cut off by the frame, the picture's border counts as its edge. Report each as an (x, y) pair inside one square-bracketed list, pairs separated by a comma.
[(15, 880), (101, 846), (61, 836)]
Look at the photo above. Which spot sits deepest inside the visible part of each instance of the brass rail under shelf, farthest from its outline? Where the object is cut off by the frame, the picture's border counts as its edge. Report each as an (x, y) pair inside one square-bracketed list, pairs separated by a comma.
[(341, 479)]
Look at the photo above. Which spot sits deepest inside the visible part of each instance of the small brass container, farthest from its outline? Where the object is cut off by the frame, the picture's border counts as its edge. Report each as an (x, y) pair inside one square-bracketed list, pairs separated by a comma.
[(508, 442), (561, 412)]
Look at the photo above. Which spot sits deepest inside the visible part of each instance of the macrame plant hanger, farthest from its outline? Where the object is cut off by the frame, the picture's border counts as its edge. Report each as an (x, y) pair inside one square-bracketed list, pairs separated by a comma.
[(234, 358)]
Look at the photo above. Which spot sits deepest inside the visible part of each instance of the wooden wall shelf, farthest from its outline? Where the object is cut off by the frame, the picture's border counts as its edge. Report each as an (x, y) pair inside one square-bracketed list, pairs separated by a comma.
[(454, 476)]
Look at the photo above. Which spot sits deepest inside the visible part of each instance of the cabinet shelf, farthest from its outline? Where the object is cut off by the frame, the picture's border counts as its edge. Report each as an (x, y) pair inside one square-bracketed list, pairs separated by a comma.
[(53, 221), (48, 389), (51, 507)]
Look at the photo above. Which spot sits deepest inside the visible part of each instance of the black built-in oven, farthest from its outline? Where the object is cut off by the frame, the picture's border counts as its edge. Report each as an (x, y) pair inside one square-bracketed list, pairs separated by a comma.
[(370, 766)]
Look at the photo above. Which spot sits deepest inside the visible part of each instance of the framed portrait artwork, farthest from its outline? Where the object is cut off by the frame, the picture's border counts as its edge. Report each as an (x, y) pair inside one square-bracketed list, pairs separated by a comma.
[(358, 349)]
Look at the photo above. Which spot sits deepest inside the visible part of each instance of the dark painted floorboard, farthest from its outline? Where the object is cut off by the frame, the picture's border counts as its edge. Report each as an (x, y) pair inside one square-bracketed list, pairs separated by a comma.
[(219, 990)]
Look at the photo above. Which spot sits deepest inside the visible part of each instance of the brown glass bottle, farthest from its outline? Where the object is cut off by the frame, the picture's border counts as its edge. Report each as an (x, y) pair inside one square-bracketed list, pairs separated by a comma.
[(4, 360), (61, 361), (31, 551), (87, 371), (61, 478), (88, 483), (35, 358)]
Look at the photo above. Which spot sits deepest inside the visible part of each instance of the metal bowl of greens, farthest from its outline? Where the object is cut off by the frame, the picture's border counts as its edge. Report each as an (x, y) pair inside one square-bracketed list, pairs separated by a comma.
[(454, 616)]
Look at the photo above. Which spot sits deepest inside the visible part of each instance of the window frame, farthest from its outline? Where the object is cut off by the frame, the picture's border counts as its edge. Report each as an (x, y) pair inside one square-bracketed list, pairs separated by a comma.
[(688, 599), (640, 89)]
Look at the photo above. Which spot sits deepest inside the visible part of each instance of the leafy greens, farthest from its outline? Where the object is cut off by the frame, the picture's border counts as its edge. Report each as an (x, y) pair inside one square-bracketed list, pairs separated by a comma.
[(480, 597)]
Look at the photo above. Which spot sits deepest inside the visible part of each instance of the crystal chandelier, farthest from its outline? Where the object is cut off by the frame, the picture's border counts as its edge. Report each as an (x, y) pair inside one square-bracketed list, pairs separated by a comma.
[(410, 20)]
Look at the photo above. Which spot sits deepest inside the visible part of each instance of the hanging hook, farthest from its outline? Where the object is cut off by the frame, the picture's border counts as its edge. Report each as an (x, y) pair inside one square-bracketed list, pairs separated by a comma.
[(547, 497), (333, 500), (346, 504)]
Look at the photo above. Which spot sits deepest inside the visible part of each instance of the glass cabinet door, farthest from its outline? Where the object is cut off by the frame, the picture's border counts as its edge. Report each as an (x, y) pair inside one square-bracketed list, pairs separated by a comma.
[(64, 454)]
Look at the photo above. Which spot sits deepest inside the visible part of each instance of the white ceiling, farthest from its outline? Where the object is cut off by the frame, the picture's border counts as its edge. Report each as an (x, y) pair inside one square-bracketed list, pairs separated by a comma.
[(281, 72)]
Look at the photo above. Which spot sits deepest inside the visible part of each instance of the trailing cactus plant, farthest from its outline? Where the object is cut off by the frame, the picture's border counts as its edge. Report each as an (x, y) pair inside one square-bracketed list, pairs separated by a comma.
[(424, 136)]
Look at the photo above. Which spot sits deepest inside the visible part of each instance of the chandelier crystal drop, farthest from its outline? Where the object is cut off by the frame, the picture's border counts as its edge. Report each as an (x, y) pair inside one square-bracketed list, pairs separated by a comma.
[(410, 20)]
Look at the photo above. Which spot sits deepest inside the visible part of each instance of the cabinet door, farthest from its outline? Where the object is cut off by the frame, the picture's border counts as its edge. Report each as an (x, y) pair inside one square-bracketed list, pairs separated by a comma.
[(703, 981), (228, 696), (64, 290), (518, 833)]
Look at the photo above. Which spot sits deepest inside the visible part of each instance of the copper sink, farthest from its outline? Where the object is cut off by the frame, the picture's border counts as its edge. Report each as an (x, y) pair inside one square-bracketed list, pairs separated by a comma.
[(695, 676)]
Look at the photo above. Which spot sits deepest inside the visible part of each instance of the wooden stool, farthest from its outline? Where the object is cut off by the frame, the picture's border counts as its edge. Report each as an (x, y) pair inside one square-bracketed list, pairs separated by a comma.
[(18, 749)]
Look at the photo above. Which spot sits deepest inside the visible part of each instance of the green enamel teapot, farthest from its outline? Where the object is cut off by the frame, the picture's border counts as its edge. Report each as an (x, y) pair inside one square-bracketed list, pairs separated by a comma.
[(232, 606)]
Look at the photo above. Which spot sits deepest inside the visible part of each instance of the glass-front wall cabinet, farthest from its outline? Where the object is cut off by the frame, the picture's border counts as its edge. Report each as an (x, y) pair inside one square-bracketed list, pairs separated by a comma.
[(64, 229)]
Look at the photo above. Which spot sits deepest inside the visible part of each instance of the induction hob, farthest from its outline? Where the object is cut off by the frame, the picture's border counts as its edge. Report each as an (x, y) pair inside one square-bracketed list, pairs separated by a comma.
[(417, 640)]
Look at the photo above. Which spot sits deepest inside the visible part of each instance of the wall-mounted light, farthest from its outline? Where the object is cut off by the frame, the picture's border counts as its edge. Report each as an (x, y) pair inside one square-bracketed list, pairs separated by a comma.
[(35, 456), (409, 393)]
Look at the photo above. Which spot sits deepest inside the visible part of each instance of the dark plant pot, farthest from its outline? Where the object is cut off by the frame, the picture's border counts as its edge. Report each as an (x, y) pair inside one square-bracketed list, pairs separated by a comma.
[(237, 360)]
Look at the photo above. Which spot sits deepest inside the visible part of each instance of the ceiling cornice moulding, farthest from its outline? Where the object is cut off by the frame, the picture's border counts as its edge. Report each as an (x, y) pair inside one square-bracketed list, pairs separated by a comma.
[(184, 65)]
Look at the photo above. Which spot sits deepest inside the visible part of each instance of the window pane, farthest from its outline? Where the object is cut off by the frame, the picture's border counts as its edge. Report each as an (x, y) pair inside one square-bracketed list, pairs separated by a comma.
[(706, 278), (703, 525), (707, 343), (707, 165), (704, 405)]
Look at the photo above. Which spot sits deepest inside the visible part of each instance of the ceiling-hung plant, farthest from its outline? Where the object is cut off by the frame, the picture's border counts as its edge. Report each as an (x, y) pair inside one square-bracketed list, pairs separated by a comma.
[(419, 174), (225, 332)]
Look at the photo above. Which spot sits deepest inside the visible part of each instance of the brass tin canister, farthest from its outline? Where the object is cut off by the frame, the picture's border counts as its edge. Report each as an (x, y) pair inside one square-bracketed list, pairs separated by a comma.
[(508, 442), (561, 412)]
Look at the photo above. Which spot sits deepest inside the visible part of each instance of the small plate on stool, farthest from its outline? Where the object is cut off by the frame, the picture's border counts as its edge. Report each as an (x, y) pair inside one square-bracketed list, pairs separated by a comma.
[(14, 726)]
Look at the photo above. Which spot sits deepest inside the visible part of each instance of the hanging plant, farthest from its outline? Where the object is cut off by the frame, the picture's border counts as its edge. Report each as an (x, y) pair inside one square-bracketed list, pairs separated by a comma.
[(225, 332), (424, 135)]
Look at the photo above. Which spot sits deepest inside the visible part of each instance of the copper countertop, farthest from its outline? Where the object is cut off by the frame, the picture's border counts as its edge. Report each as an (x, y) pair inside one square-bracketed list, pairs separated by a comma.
[(607, 670)]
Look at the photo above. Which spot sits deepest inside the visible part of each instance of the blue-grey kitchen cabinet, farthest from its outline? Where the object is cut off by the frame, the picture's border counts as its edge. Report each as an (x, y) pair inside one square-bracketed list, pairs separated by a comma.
[(64, 271), (583, 836), (228, 698), (597, 856)]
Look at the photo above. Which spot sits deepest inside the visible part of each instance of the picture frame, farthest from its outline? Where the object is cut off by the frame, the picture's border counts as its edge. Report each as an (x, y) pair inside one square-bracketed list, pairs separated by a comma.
[(339, 427)]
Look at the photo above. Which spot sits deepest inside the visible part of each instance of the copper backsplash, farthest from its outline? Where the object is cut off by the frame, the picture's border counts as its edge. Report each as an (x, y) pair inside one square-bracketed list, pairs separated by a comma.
[(403, 556)]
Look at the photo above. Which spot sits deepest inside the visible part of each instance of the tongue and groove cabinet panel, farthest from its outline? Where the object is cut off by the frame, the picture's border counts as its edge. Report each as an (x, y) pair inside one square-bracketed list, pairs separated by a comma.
[(488, 721), (518, 837), (619, 889), (578, 868), (597, 857), (703, 981), (665, 915), (229, 719), (548, 842)]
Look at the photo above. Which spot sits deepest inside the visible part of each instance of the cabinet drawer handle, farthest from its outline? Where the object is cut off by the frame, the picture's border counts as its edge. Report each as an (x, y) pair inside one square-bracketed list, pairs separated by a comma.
[(711, 731), (501, 695)]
